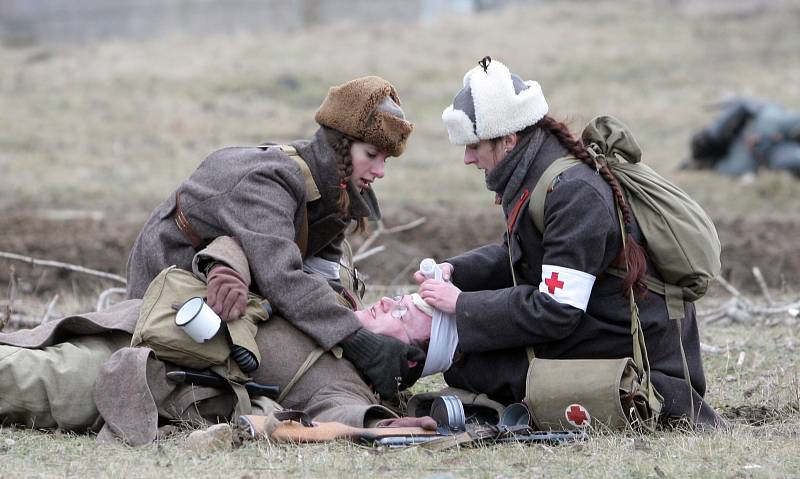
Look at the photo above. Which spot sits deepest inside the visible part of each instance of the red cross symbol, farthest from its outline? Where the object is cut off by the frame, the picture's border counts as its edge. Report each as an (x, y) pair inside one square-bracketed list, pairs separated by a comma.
[(553, 283), (577, 415)]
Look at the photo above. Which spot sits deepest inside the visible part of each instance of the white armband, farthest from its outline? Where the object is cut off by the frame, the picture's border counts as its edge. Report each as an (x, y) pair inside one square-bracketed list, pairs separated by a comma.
[(567, 285)]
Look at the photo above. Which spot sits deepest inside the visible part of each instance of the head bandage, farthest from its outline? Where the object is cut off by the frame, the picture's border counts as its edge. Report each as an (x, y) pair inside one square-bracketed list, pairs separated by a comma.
[(444, 338)]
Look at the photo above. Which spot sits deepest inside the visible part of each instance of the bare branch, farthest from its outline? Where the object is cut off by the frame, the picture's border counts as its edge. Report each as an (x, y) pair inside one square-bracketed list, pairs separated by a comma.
[(24, 321), (763, 285), (103, 299), (405, 227), (729, 287), (367, 254), (383, 230), (371, 239), (12, 294), (67, 266), (707, 348), (49, 309)]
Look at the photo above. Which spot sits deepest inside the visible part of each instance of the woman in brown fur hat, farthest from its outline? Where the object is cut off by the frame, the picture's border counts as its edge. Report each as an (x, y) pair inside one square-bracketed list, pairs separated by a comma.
[(289, 206)]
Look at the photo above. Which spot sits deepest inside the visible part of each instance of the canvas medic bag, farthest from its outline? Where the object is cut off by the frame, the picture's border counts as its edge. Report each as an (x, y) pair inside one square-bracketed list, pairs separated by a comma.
[(156, 328), (615, 394)]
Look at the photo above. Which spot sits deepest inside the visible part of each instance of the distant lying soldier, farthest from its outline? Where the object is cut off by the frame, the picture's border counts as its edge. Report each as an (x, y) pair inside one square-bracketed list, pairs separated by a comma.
[(746, 136), (78, 373)]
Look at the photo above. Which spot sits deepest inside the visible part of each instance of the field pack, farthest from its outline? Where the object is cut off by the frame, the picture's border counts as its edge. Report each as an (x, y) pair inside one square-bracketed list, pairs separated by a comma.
[(680, 237)]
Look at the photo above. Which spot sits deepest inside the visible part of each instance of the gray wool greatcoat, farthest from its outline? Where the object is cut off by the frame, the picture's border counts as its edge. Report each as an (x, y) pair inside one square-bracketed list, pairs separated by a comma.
[(257, 195), (133, 398), (496, 321)]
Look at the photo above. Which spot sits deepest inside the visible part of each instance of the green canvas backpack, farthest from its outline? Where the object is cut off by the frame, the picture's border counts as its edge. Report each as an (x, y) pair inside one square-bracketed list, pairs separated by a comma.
[(681, 239)]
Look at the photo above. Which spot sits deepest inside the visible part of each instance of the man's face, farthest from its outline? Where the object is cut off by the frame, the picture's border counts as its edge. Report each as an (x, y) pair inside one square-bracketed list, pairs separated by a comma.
[(397, 318)]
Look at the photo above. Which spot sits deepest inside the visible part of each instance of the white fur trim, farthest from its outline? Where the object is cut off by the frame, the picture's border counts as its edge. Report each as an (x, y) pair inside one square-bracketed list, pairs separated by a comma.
[(460, 129), (498, 109)]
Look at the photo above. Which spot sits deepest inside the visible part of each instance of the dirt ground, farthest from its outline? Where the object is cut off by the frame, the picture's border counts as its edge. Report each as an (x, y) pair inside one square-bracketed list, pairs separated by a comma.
[(103, 244)]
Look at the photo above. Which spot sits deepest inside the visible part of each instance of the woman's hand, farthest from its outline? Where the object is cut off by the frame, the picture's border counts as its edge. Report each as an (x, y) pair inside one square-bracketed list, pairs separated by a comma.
[(439, 294), (447, 273)]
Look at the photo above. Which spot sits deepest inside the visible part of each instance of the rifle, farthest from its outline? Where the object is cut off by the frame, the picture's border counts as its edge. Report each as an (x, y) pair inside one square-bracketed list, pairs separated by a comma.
[(296, 427), (202, 378)]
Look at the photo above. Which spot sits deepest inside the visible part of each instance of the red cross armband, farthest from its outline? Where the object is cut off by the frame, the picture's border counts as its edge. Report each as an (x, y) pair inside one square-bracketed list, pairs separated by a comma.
[(567, 285)]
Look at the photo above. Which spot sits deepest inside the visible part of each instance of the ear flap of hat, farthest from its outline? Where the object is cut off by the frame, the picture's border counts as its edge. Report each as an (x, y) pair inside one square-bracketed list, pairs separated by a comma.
[(460, 129)]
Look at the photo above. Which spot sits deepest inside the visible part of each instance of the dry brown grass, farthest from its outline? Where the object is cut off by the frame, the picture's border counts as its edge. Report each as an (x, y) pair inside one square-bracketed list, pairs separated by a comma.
[(116, 125)]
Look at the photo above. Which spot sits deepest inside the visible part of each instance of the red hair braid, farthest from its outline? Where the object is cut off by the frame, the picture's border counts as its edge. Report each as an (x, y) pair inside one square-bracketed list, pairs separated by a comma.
[(632, 256)]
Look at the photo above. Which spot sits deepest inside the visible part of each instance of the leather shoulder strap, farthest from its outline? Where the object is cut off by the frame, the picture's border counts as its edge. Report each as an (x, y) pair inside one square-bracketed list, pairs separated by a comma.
[(312, 191), (312, 194)]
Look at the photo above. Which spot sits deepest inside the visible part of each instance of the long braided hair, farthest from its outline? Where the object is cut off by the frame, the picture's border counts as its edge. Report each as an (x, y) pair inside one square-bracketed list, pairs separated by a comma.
[(341, 143), (632, 257)]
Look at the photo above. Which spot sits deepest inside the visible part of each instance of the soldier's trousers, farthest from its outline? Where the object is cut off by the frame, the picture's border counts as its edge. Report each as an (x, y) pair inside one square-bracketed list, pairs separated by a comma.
[(54, 386)]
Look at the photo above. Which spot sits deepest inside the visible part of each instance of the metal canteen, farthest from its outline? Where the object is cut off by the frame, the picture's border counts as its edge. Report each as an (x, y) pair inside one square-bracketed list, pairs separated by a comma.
[(448, 412)]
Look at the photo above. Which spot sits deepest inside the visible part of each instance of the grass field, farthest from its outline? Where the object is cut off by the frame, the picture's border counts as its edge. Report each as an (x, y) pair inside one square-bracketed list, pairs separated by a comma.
[(110, 129), (763, 390)]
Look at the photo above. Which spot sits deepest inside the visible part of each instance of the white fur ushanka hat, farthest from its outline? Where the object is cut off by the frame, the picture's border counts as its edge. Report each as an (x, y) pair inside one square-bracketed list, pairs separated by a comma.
[(494, 102)]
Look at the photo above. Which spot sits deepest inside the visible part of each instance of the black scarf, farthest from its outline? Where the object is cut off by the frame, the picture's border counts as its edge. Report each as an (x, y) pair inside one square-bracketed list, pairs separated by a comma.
[(507, 178)]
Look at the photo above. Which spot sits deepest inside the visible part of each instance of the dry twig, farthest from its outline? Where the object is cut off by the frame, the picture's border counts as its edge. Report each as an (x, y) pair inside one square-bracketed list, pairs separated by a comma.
[(743, 310), (762, 285), (12, 294), (49, 309), (67, 266), (383, 230), (366, 254), (103, 301)]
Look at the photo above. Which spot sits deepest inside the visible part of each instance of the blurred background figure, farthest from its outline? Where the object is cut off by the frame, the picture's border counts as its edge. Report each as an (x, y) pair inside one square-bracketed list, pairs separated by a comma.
[(748, 134)]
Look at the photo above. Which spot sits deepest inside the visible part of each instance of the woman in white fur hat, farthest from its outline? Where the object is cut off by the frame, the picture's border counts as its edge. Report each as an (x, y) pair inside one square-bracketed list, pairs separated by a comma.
[(549, 290)]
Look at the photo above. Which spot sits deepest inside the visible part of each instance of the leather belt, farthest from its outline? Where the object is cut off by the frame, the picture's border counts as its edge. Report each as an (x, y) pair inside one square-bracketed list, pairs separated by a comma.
[(185, 227)]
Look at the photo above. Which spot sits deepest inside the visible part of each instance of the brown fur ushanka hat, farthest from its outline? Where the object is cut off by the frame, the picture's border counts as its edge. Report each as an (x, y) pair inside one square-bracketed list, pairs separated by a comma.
[(367, 109)]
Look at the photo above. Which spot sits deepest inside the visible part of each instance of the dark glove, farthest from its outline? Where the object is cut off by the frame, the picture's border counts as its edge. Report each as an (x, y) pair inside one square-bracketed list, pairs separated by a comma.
[(389, 364), (227, 292)]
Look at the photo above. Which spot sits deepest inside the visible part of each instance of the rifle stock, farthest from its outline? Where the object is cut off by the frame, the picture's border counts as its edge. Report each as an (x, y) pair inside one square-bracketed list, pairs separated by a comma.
[(261, 427)]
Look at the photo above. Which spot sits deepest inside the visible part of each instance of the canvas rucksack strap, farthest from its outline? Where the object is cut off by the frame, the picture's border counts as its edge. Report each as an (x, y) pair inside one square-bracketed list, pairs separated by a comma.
[(542, 187), (640, 357), (673, 294), (312, 194)]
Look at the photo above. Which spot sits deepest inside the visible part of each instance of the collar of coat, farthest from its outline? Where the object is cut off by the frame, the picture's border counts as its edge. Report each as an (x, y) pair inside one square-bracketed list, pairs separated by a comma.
[(321, 160), (526, 164)]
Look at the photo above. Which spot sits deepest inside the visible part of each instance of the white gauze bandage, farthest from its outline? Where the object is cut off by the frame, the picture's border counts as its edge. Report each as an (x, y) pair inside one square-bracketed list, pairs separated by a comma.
[(444, 334)]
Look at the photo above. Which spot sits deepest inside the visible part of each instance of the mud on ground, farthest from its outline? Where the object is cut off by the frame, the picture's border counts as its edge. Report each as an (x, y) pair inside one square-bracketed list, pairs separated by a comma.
[(103, 244)]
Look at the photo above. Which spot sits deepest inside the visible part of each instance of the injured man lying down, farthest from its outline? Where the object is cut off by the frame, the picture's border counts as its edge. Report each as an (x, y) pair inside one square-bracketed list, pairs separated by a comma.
[(80, 373)]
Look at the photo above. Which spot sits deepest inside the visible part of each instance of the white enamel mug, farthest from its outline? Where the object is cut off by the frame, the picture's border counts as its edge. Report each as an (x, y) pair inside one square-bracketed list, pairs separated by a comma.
[(198, 319)]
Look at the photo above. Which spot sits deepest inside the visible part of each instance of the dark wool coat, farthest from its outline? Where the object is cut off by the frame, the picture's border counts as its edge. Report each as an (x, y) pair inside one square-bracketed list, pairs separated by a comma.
[(496, 322), (257, 195)]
